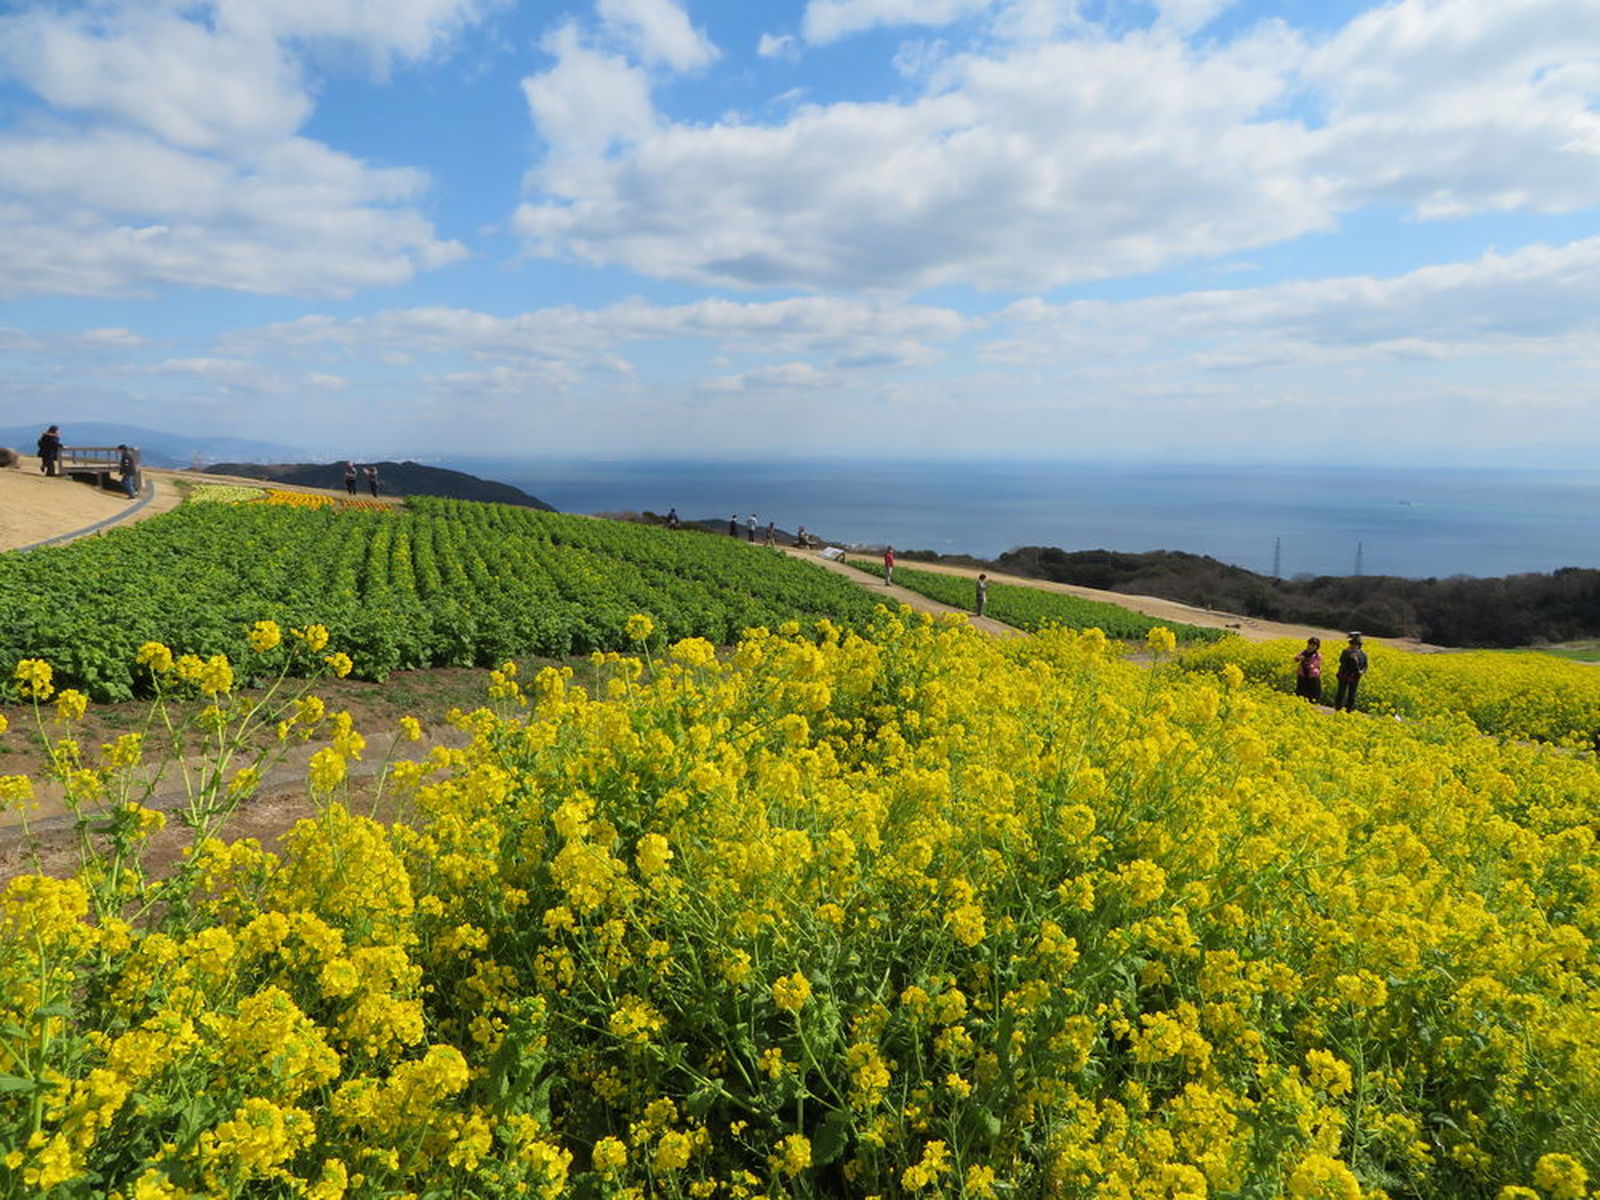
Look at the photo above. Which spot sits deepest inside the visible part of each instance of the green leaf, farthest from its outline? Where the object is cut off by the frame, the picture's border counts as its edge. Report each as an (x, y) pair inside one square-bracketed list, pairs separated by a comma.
[(832, 1137)]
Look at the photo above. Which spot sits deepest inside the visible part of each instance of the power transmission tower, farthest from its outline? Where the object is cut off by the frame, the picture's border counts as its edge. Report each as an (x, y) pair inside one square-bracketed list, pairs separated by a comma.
[(1277, 558), (1358, 560)]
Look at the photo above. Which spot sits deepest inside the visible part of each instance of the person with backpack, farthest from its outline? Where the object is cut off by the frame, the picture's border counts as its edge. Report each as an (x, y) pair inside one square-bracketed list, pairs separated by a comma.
[(1352, 666), (128, 468)]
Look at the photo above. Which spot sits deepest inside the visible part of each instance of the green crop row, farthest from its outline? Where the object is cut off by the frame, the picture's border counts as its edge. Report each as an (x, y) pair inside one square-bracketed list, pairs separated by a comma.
[(445, 583), (1033, 608)]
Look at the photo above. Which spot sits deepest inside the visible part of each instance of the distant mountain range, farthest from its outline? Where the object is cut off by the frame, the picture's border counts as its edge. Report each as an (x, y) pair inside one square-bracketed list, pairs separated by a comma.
[(156, 448), (394, 479)]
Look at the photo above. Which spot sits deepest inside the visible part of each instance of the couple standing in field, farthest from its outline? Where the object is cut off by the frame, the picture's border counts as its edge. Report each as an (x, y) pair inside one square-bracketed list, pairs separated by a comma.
[(1308, 672)]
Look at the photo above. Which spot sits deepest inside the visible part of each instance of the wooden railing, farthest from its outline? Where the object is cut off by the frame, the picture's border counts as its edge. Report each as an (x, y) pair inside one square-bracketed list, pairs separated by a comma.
[(101, 463)]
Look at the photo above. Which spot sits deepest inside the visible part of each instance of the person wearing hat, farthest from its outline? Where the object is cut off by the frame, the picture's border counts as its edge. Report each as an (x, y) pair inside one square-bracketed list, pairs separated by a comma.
[(1352, 666)]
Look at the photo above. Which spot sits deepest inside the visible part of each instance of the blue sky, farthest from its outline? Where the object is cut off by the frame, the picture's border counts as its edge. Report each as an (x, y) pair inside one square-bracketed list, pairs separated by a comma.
[(1187, 229)]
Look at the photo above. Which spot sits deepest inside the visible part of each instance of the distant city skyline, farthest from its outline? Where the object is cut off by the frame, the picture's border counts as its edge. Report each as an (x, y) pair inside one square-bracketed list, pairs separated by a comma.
[(1180, 230)]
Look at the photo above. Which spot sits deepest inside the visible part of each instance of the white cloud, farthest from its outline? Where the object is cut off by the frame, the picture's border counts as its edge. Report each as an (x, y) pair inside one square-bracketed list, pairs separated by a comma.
[(108, 341), (588, 103), (1463, 107), (1012, 173), (405, 29), (189, 85), (114, 212), (1184, 17), (780, 377), (1031, 165), (851, 334), (1538, 300), (777, 45), (220, 368), (172, 154), (113, 337), (659, 32), (829, 20), (1478, 344)]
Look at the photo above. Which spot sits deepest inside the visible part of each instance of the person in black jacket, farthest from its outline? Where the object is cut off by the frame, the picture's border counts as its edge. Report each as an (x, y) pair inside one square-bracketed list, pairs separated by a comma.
[(50, 450), (128, 468), (1352, 666)]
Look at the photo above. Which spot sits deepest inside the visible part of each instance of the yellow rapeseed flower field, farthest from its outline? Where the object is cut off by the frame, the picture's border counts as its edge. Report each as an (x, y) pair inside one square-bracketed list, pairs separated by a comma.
[(1519, 694), (911, 913)]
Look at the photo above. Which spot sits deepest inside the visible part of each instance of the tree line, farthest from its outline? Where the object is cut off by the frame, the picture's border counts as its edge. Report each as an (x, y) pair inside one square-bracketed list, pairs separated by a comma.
[(1514, 610)]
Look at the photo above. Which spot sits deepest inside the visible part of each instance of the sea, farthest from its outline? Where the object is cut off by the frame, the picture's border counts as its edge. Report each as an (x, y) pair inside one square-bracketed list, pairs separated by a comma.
[(1418, 522)]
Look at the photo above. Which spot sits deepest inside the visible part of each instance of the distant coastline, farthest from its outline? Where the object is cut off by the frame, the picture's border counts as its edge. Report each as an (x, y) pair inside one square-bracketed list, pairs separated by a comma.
[(1409, 522)]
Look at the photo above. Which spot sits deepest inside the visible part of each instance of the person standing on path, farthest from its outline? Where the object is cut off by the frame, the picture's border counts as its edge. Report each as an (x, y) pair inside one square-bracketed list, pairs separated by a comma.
[(672, 517), (983, 593), (1352, 666), (888, 566), (50, 450), (128, 468), (733, 525), (372, 479), (771, 536), (350, 478), (750, 529), (1308, 671)]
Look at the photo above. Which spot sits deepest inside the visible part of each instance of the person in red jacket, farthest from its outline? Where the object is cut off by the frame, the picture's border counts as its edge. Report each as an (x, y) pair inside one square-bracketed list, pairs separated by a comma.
[(1308, 671), (888, 566)]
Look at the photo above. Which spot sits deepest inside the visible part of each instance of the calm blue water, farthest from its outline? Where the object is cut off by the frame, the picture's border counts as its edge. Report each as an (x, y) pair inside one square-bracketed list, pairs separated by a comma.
[(1413, 522)]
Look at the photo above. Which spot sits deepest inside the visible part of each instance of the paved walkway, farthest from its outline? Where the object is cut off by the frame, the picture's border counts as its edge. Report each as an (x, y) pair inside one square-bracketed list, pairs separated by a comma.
[(162, 493)]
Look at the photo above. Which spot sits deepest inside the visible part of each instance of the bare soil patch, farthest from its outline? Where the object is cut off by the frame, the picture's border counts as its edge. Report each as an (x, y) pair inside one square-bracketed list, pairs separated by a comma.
[(45, 837)]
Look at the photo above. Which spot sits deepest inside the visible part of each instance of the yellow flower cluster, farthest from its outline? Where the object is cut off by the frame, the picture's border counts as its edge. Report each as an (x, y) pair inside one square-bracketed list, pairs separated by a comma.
[(908, 913), (224, 493), (297, 499)]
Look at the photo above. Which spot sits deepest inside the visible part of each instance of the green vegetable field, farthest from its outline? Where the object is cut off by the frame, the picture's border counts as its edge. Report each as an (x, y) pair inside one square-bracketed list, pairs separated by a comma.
[(445, 582), (1032, 608)]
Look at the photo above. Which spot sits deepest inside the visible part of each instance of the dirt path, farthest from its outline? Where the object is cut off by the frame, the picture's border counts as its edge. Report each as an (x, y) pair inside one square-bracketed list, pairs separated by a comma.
[(899, 595), (1249, 628)]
